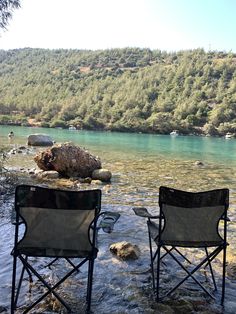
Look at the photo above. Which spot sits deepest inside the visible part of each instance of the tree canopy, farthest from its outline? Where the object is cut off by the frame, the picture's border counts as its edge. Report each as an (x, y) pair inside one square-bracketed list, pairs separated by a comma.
[(128, 89), (6, 9)]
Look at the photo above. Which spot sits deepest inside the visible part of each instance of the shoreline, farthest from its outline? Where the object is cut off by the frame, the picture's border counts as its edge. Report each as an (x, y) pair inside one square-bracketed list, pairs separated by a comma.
[(122, 130)]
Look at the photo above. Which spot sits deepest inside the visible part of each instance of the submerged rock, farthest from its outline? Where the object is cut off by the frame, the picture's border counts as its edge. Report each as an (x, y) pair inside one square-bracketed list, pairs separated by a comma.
[(199, 163), (68, 160), (125, 250), (21, 150)]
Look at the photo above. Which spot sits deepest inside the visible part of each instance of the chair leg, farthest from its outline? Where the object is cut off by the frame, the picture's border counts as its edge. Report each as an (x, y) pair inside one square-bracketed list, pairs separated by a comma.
[(158, 271), (20, 282), (152, 258), (190, 274), (16, 290), (50, 288), (223, 275), (211, 270), (89, 284), (13, 302)]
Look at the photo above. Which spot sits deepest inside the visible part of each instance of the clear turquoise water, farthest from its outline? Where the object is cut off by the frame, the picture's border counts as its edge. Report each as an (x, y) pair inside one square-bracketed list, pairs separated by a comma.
[(217, 150)]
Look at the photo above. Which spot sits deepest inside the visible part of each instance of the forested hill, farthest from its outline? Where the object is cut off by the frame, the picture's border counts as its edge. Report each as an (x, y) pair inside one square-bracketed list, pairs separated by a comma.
[(127, 89)]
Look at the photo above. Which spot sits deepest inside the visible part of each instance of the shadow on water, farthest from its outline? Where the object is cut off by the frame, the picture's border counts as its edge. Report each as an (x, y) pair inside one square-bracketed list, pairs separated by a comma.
[(140, 164)]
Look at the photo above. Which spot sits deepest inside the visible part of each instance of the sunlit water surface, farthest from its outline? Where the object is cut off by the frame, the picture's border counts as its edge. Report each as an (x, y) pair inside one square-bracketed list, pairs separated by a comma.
[(140, 163)]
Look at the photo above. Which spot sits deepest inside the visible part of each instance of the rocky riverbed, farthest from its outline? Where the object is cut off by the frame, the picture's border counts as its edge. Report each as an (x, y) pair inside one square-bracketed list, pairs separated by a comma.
[(124, 286)]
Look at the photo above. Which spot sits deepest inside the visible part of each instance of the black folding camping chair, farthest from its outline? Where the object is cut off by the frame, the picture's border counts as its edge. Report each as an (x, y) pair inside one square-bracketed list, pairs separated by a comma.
[(58, 224), (188, 220)]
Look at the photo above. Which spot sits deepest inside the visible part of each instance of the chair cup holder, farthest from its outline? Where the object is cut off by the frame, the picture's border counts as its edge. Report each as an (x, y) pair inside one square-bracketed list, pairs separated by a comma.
[(108, 221)]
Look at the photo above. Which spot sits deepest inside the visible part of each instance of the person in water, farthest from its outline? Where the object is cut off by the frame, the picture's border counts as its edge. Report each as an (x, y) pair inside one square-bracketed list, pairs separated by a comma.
[(11, 134)]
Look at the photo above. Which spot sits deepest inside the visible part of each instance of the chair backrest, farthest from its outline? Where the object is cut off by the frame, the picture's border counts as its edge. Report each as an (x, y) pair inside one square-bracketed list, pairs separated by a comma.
[(192, 219), (57, 221)]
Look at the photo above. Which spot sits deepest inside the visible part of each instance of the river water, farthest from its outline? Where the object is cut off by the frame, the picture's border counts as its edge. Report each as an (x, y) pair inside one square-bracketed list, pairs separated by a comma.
[(140, 163)]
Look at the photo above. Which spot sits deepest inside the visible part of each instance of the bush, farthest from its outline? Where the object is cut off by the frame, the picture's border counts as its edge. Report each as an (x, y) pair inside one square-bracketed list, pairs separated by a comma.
[(58, 124), (45, 125), (210, 129)]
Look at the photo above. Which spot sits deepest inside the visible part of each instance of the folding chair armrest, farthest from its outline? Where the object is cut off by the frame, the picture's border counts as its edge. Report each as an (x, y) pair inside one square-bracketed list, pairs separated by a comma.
[(225, 218), (108, 221), (143, 212)]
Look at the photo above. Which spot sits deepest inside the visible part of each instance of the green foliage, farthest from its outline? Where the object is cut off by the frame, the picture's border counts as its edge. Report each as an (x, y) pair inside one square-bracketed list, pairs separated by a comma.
[(6, 9), (127, 89), (57, 124)]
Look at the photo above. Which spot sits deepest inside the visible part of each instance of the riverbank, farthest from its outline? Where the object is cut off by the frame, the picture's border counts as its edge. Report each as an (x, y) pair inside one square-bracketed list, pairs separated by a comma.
[(195, 131)]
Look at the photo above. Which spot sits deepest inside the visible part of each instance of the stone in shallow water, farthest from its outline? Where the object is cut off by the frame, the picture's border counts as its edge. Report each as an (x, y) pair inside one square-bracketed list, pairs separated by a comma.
[(125, 250), (198, 163), (103, 175), (39, 140), (48, 175)]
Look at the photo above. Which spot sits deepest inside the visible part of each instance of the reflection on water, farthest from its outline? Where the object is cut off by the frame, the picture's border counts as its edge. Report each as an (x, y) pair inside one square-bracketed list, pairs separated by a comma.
[(140, 164)]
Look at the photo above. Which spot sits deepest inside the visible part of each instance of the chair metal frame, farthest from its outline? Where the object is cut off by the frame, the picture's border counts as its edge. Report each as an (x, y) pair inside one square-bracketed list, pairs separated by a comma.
[(220, 197), (144, 213), (23, 256)]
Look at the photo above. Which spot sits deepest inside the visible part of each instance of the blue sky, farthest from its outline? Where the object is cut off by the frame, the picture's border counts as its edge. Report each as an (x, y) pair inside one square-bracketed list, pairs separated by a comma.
[(100, 24)]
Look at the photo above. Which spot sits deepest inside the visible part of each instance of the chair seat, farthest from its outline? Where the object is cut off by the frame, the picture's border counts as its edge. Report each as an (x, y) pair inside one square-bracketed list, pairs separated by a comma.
[(50, 252), (196, 244), (154, 230)]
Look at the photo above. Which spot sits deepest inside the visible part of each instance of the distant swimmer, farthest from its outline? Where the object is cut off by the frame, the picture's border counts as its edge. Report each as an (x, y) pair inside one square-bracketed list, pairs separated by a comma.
[(11, 134)]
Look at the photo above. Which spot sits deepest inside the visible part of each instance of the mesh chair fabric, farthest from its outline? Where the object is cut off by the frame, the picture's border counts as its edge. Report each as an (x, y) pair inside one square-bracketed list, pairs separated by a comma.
[(193, 199), (192, 226), (192, 219), (153, 228), (57, 222), (56, 231)]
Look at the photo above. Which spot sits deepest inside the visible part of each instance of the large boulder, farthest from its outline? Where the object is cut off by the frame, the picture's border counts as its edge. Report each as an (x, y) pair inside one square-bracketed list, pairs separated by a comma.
[(68, 160), (39, 140)]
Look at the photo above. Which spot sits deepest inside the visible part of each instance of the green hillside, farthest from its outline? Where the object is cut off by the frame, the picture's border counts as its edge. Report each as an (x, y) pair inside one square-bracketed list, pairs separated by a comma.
[(127, 89)]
